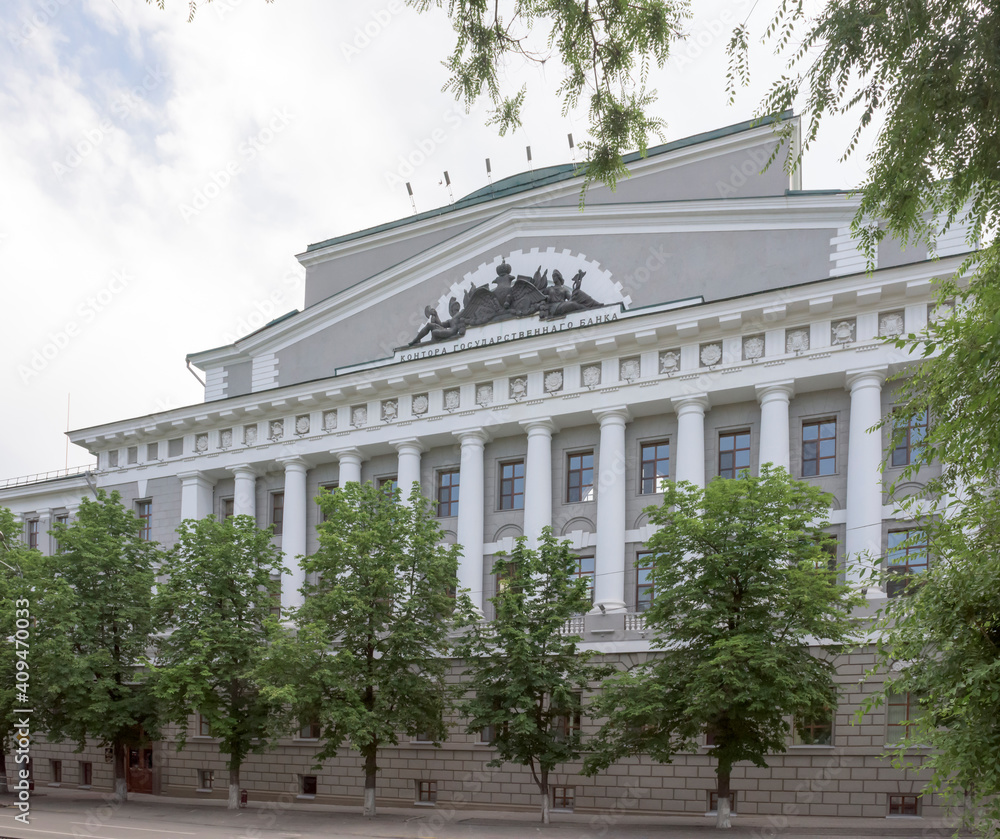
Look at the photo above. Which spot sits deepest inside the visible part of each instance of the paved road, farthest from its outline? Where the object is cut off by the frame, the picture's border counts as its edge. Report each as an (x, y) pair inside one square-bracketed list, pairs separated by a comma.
[(58, 814)]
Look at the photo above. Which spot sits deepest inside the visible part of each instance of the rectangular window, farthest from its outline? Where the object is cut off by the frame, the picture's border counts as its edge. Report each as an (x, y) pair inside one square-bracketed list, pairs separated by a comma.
[(644, 581), (819, 448), (487, 734), (133, 455), (277, 511), (908, 437), (175, 447), (813, 732), (580, 477), (901, 710), (512, 485), (86, 773), (506, 577), (563, 798), (734, 453), (308, 784), (388, 484), (227, 509), (567, 725), (906, 558), (204, 729), (423, 737), (585, 569), (426, 792), (447, 493), (152, 451), (56, 767), (654, 467), (903, 805), (309, 730), (33, 525), (713, 801), (63, 519), (113, 459), (331, 488), (144, 512), (206, 777)]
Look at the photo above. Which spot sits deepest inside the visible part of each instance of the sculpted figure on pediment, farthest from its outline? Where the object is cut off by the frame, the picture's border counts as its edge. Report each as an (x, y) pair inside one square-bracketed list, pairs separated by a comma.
[(441, 330)]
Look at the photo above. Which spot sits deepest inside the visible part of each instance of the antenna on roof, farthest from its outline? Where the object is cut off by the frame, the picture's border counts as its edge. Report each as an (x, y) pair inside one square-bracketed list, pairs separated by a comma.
[(447, 183), (572, 147), (530, 167), (489, 175), (409, 191)]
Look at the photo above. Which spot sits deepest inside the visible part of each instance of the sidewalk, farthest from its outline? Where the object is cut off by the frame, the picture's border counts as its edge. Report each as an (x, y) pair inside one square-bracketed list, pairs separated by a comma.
[(57, 812)]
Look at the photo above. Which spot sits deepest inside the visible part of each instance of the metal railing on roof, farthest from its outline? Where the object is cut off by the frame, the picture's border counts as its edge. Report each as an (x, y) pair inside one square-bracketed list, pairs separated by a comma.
[(42, 477)]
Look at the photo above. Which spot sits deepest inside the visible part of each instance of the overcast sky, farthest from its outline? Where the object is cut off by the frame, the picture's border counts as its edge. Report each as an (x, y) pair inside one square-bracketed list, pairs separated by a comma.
[(158, 176)]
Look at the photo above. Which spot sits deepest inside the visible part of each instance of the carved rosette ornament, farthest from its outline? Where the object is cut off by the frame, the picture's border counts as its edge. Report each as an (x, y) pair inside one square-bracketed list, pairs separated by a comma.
[(201, 443), (226, 438), (277, 429), (390, 410), (518, 388), (250, 435), (797, 340), (629, 369), (890, 324), (590, 376), (711, 354), (302, 424), (753, 347), (842, 332), (452, 399), (359, 416), (420, 404), (670, 362), (484, 394), (330, 420), (553, 381)]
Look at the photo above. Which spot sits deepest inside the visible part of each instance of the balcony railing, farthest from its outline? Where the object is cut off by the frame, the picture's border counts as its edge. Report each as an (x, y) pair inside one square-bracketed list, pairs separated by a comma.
[(41, 477)]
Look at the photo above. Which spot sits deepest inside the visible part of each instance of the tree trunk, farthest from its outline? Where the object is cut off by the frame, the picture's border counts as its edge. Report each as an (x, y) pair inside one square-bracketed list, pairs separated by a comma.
[(370, 770), (722, 809), (3, 772), (543, 785), (120, 757), (234, 787)]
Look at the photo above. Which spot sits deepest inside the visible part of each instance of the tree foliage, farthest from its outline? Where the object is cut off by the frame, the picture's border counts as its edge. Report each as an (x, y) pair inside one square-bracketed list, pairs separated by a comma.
[(605, 50), (524, 675), (221, 579), (370, 656), (742, 579), (97, 629)]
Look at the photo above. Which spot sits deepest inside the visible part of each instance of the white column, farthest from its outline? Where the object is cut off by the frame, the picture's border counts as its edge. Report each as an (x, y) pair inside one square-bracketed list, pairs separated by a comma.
[(350, 466), (470, 514), (245, 491), (774, 433), (690, 445), (864, 474), (293, 530), (196, 495), (538, 479), (408, 468), (609, 567), (45, 542)]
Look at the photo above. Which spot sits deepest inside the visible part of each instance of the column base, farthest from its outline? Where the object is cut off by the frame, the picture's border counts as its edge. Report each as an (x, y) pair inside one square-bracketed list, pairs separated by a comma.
[(608, 607)]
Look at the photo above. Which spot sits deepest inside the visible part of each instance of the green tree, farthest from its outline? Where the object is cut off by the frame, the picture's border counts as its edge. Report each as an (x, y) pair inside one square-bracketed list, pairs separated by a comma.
[(17, 564), (97, 630), (215, 606), (743, 577), (604, 48), (370, 656), (525, 677)]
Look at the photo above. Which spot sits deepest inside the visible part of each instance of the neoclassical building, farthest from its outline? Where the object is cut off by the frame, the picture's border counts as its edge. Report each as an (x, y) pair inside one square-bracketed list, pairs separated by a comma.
[(529, 364)]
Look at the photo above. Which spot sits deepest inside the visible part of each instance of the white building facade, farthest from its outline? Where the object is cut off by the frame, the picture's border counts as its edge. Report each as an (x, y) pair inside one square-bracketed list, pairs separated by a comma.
[(724, 319)]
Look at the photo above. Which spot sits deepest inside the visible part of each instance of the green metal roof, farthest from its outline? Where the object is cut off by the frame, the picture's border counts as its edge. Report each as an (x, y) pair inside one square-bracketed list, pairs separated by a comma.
[(524, 181)]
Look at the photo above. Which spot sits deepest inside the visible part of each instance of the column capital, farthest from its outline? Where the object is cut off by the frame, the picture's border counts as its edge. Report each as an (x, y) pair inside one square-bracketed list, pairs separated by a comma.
[(244, 470), (195, 477), (294, 463), (43, 512), (619, 414), (690, 402), (350, 454), (771, 391), (868, 377), (408, 444), (472, 436), (539, 426)]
